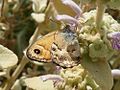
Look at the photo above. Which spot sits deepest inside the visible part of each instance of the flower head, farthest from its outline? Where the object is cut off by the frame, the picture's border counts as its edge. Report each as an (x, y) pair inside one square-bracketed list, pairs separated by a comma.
[(74, 6), (67, 19), (57, 79), (73, 22), (51, 77), (116, 73), (115, 40)]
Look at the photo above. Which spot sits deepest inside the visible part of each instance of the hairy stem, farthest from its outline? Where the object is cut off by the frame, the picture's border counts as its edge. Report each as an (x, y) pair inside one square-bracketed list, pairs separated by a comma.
[(1, 14), (24, 60), (18, 70), (100, 13), (22, 64), (34, 36)]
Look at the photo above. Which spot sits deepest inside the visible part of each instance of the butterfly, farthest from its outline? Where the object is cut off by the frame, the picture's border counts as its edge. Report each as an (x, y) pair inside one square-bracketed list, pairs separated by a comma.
[(61, 47)]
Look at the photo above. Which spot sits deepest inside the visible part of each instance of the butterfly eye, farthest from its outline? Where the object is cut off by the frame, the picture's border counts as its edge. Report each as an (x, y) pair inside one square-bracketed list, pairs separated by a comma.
[(37, 51)]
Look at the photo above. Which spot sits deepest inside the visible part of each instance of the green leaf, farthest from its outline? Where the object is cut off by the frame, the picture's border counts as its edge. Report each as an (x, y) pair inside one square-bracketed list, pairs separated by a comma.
[(114, 4), (38, 17), (100, 71), (17, 85), (7, 58), (37, 84), (39, 5)]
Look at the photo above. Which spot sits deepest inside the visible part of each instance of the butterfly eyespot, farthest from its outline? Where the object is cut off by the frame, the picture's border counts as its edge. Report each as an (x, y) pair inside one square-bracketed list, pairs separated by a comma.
[(37, 51)]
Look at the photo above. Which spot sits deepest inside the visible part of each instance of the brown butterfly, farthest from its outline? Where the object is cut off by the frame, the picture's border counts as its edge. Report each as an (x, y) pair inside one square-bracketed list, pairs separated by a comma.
[(60, 47)]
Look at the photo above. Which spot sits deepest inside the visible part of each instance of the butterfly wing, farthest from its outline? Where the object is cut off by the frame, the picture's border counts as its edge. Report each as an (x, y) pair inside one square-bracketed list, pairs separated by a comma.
[(40, 50), (65, 49), (61, 47)]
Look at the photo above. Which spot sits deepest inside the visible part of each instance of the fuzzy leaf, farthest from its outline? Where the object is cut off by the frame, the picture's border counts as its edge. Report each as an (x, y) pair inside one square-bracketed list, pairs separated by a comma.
[(7, 58), (17, 85), (37, 84), (39, 5), (38, 17), (100, 71), (114, 4)]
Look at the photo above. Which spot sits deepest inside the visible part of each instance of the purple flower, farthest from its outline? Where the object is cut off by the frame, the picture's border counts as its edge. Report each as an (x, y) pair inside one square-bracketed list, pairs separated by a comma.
[(73, 22), (51, 77), (74, 6), (66, 18), (116, 73), (55, 78), (115, 40)]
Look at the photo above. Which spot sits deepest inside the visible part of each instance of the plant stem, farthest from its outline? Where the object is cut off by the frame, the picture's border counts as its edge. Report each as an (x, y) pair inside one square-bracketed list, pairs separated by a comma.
[(100, 13), (23, 62), (34, 36), (18, 70), (1, 14)]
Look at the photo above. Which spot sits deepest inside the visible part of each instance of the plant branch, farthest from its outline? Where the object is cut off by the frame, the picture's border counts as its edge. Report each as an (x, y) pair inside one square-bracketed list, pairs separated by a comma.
[(16, 73), (23, 62), (1, 14), (100, 13)]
